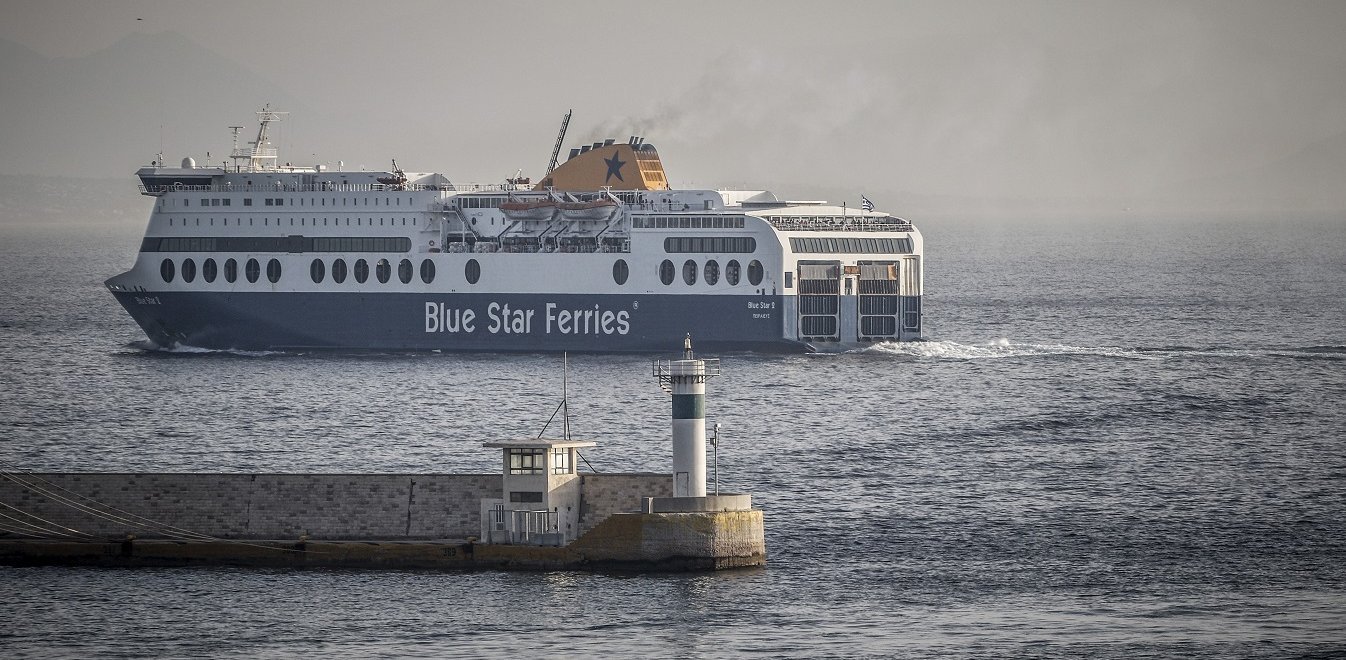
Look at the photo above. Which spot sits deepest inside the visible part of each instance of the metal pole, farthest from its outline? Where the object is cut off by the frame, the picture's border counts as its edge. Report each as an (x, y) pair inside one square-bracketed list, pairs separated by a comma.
[(715, 457)]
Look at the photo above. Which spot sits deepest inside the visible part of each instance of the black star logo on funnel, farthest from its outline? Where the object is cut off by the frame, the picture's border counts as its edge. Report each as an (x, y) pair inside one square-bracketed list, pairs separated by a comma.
[(614, 168)]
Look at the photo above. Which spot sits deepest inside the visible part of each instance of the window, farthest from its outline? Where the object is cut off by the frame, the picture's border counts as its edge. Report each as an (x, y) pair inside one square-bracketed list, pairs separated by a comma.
[(712, 272), (715, 244), (731, 272), (315, 270), (166, 270), (208, 270), (620, 272), (666, 272), (689, 272), (525, 461), (901, 245), (560, 461), (273, 270), (188, 270), (361, 270), (525, 496), (404, 271), (252, 270), (339, 271), (247, 201), (256, 244), (789, 279), (472, 271), (230, 270), (755, 272), (383, 270), (427, 271)]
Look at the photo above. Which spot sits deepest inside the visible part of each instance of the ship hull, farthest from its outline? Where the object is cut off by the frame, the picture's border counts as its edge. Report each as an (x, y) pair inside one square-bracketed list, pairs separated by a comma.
[(457, 321)]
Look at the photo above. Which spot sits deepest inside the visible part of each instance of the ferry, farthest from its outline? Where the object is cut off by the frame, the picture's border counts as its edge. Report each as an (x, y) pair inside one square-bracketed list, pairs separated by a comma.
[(600, 255)]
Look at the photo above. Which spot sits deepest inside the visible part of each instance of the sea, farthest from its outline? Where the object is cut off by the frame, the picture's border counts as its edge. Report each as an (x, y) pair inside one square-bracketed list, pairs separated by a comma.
[(1124, 437)]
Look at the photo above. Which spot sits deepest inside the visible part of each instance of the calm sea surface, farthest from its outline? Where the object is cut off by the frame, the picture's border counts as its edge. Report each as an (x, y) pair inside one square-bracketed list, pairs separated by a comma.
[(1125, 438)]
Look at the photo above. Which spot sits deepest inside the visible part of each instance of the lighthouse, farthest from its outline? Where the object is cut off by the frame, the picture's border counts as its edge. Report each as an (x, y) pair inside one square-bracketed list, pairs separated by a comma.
[(685, 379)]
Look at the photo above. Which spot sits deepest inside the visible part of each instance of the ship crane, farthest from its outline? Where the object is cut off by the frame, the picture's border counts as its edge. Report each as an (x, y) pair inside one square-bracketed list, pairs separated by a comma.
[(560, 138)]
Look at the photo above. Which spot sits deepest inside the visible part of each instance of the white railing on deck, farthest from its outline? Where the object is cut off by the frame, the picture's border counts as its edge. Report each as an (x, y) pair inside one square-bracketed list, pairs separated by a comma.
[(838, 223)]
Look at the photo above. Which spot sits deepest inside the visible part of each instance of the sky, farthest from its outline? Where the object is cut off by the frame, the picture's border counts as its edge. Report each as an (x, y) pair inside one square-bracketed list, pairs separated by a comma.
[(936, 104)]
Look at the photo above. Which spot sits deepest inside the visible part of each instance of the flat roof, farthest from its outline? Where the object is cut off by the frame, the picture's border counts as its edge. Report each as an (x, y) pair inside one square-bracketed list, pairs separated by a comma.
[(538, 443)]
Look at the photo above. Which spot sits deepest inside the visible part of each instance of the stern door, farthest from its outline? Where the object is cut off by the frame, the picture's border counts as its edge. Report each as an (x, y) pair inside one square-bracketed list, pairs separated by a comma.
[(819, 300)]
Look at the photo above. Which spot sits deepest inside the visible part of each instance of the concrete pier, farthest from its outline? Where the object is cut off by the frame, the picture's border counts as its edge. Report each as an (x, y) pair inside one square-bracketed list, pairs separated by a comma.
[(353, 521)]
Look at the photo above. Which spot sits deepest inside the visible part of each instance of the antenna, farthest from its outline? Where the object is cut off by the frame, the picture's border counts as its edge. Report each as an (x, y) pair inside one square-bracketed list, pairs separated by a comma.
[(238, 154), (560, 137), (564, 407)]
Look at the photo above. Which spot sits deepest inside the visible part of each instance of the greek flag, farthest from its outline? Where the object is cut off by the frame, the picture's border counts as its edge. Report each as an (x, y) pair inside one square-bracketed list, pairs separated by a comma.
[(866, 204)]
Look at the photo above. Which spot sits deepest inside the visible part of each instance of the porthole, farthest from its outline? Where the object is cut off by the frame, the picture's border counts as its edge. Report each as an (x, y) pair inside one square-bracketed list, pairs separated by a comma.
[(252, 270), (316, 270), (689, 272), (472, 271), (712, 272), (620, 272), (209, 270), (188, 270), (404, 271), (273, 270), (230, 270), (383, 270), (166, 270), (427, 271), (361, 270), (339, 271), (666, 272), (731, 272), (754, 272)]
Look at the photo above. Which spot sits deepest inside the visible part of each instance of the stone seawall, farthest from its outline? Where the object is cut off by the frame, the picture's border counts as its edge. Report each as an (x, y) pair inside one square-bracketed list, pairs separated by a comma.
[(286, 506)]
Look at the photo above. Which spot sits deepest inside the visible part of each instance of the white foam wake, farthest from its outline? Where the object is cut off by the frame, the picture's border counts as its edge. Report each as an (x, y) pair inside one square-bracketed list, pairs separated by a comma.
[(998, 348)]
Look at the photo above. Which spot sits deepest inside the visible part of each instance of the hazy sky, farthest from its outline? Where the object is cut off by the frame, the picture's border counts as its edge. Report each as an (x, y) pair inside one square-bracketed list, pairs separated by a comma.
[(1116, 101)]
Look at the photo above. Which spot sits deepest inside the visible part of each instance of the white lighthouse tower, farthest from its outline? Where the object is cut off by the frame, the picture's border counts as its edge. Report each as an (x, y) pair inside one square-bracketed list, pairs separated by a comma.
[(685, 379)]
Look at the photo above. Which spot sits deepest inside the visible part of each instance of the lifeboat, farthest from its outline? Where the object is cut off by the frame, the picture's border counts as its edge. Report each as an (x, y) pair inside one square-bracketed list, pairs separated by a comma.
[(598, 209), (535, 209)]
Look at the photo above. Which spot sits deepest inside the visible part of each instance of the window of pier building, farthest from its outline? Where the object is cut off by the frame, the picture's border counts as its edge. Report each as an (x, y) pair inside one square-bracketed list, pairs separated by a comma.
[(560, 461), (522, 496), (526, 461)]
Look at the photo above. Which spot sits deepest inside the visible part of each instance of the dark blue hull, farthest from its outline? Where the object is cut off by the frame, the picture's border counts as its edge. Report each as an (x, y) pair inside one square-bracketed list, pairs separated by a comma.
[(459, 322)]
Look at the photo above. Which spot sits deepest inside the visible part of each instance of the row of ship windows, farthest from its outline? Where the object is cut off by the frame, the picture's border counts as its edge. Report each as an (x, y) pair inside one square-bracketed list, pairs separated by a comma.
[(252, 270), (852, 245), (716, 244), (711, 272), (278, 244), (303, 222), (688, 222), (312, 201)]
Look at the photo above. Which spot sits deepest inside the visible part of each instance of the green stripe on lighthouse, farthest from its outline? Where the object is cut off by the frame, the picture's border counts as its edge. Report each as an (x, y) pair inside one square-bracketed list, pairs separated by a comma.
[(689, 406)]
